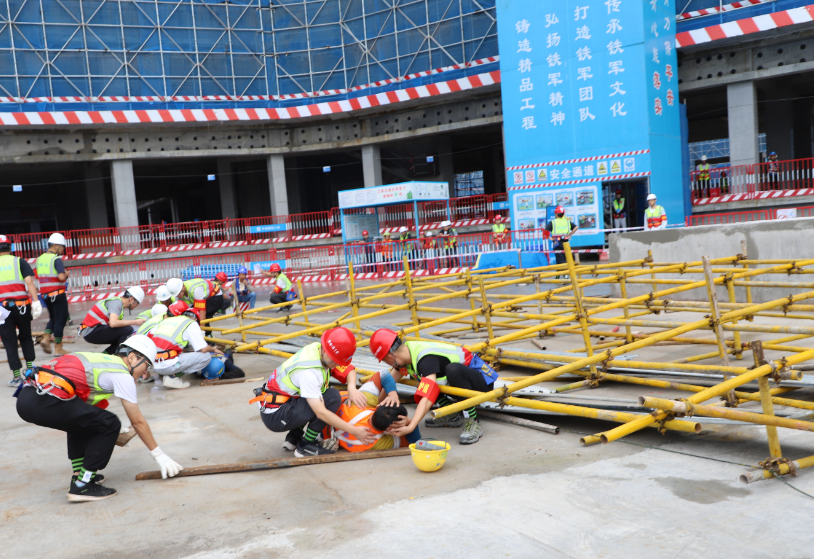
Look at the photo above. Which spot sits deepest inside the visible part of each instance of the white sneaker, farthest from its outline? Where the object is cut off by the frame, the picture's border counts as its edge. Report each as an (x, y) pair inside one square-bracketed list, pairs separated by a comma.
[(175, 382)]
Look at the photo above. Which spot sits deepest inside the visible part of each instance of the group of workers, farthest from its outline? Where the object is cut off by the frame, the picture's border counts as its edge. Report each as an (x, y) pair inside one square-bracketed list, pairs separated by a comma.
[(654, 215)]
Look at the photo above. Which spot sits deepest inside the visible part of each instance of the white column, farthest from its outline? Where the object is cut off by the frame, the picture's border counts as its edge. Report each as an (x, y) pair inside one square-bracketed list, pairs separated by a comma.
[(226, 182), (372, 165), (124, 193), (741, 99), (96, 197), (277, 188)]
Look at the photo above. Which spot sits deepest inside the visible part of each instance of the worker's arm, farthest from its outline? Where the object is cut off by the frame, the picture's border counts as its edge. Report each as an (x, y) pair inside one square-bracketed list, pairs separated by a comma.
[(421, 410), (324, 414), (139, 424), (391, 395), (210, 349), (574, 229), (354, 394), (116, 322), (32, 288)]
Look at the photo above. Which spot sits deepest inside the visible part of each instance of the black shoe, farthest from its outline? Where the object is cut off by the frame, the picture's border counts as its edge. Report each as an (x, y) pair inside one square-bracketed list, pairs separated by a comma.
[(292, 439), (308, 449), (236, 372), (91, 491), (98, 478)]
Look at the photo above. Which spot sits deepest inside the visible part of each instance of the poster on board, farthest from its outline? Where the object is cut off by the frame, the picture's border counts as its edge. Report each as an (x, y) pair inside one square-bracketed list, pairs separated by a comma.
[(531, 209)]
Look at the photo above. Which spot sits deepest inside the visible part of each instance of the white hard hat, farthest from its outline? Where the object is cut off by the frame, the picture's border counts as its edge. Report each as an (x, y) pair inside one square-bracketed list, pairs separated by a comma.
[(651, 197), (428, 234), (446, 224), (143, 345), (162, 293), (703, 158), (159, 309), (57, 239), (175, 285), (402, 229), (136, 292)]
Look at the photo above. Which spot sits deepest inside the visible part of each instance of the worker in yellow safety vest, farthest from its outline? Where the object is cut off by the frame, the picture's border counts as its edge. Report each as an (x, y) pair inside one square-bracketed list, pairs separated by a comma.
[(499, 230), (619, 211), (703, 176), (52, 275), (654, 215), (560, 229)]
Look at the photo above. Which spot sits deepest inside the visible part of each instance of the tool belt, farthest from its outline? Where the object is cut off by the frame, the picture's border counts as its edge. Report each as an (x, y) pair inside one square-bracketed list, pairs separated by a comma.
[(8, 303), (164, 355), (53, 294), (269, 400), (45, 380), (653, 222)]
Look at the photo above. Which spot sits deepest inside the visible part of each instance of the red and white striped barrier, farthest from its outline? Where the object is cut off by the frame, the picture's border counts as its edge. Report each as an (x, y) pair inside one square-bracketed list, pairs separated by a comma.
[(720, 9), (754, 196), (745, 26), (580, 160), (580, 181)]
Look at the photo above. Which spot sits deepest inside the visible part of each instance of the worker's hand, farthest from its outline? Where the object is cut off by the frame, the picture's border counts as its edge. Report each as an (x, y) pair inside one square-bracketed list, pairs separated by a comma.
[(356, 397), (139, 321), (217, 351), (169, 467), (365, 435), (36, 310), (400, 431), (402, 421), (392, 399)]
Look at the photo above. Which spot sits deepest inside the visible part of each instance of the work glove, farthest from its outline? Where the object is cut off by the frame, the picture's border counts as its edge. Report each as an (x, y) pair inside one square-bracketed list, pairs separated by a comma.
[(36, 310), (169, 467)]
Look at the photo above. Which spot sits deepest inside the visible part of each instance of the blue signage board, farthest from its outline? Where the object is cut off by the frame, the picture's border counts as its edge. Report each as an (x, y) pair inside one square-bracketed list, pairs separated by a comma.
[(271, 228), (590, 95)]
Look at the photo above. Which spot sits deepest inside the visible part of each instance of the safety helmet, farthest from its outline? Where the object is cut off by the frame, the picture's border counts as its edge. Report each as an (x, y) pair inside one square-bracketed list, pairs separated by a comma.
[(651, 197), (135, 292), (143, 345), (703, 158), (559, 210), (381, 341), (162, 293), (57, 239), (175, 285), (193, 314), (428, 234), (386, 234), (158, 309), (275, 268), (242, 270), (445, 224), (365, 233), (214, 369), (339, 344), (403, 229), (178, 308), (772, 153), (498, 218), (618, 192), (5, 241), (221, 276)]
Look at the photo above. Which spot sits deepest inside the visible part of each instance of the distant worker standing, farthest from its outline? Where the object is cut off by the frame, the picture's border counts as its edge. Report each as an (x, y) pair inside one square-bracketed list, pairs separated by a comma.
[(282, 286), (619, 211), (52, 275), (654, 215), (105, 323), (18, 296), (561, 230), (703, 176), (499, 230)]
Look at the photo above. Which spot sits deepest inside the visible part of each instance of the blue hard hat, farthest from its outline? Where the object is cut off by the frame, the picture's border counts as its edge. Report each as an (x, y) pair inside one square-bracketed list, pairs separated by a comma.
[(242, 270), (772, 153), (214, 369)]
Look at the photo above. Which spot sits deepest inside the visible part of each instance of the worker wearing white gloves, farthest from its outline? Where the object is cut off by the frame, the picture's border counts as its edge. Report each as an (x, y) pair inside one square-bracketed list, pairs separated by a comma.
[(18, 295)]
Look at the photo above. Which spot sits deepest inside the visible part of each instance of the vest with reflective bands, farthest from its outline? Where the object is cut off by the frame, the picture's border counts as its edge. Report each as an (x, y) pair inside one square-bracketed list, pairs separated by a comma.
[(654, 216), (560, 226), (83, 370), (168, 335), (146, 315), (498, 228), (210, 288), (151, 323), (98, 314), (12, 284), (704, 174), (309, 357), (355, 415), (450, 238), (286, 285), (404, 237), (47, 273), (619, 206), (419, 350)]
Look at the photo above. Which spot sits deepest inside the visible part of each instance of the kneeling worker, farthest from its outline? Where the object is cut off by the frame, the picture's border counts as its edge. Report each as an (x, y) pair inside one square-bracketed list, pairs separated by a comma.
[(105, 324), (282, 287), (70, 394), (202, 294), (297, 394), (433, 363)]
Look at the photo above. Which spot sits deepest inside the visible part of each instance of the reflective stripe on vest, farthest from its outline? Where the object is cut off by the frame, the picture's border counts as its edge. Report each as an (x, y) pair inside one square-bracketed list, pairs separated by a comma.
[(418, 350), (168, 335), (498, 228), (193, 284), (363, 417), (151, 323), (704, 168), (309, 357), (286, 285), (98, 314), (654, 216), (96, 364), (560, 226), (47, 273), (618, 205), (12, 284), (146, 315)]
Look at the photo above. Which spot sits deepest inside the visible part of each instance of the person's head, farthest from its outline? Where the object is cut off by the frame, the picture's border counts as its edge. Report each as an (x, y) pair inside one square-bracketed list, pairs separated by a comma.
[(182, 308), (388, 347), (159, 310), (498, 218), (242, 272), (162, 295), (385, 416), (133, 297), (175, 286), (386, 235), (618, 194), (221, 278), (428, 234), (446, 225), (275, 270), (403, 230), (365, 235), (651, 200), (338, 347), (559, 211), (138, 352), (703, 159), (57, 243), (5, 245)]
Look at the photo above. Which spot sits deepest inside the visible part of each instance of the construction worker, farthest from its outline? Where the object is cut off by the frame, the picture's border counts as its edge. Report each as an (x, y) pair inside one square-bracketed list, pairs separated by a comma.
[(619, 211), (282, 287), (387, 247), (52, 275), (174, 287), (182, 349), (297, 394), (158, 308), (404, 234), (774, 171), (158, 312), (654, 215), (221, 279), (202, 294), (561, 229), (703, 176), (242, 290), (162, 295), (449, 237), (105, 323), (70, 392), (18, 296), (431, 364), (499, 232)]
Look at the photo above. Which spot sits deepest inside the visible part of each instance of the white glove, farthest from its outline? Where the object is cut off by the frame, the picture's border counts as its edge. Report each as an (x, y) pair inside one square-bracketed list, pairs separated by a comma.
[(169, 468), (36, 310)]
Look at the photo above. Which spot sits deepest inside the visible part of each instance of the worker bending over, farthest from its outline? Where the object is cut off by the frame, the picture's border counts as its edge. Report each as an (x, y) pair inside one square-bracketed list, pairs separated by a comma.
[(105, 323), (282, 291), (203, 295), (297, 398), (157, 314), (433, 363), (70, 394), (52, 275)]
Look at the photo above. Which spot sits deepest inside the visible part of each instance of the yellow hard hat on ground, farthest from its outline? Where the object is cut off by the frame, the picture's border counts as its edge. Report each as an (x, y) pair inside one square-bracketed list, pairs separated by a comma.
[(430, 460)]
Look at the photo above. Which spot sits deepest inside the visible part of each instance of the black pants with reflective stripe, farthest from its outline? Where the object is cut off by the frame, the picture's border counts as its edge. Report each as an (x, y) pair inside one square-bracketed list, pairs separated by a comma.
[(296, 413), (104, 334), (58, 309), (17, 321), (92, 432)]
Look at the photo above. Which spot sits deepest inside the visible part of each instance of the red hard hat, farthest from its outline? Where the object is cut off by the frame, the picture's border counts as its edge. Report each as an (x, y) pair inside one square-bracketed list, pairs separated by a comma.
[(618, 192), (194, 312), (365, 233), (381, 341), (339, 344), (559, 210), (4, 239), (178, 308), (221, 276), (498, 217), (274, 267)]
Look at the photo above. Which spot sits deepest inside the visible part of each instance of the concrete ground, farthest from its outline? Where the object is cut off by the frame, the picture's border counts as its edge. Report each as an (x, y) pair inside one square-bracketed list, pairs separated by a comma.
[(516, 493)]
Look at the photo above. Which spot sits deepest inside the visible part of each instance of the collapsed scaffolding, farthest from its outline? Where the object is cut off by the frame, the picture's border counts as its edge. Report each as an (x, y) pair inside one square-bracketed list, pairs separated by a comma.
[(559, 304)]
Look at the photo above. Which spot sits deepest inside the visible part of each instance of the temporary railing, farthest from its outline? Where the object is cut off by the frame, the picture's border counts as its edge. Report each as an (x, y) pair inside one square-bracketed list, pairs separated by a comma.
[(794, 174), (732, 217)]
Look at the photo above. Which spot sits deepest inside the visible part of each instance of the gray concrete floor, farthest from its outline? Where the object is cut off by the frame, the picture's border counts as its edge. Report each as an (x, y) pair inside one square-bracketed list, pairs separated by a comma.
[(517, 493)]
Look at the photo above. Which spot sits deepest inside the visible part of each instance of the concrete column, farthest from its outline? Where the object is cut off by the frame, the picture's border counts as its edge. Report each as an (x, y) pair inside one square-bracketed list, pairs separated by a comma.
[(445, 164), (228, 204), (779, 123), (741, 101), (96, 197), (372, 165), (124, 193), (277, 188), (801, 119)]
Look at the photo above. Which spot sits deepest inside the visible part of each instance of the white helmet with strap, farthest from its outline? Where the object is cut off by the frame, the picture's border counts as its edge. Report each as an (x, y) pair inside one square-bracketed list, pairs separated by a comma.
[(57, 239), (136, 292), (175, 285), (143, 345)]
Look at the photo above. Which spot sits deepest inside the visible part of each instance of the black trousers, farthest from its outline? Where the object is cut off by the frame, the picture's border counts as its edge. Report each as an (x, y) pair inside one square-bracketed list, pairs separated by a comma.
[(214, 304), (104, 334), (461, 376), (277, 298), (58, 309), (92, 432), (296, 413), (17, 327), (560, 256)]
